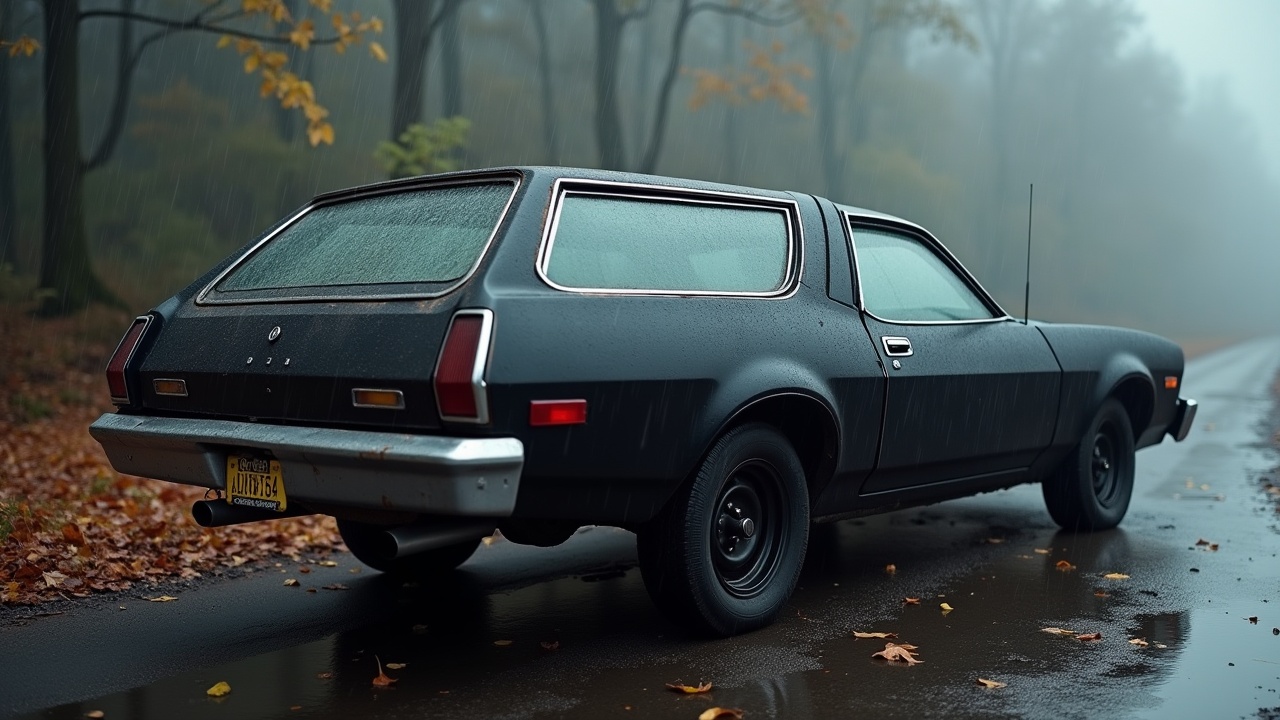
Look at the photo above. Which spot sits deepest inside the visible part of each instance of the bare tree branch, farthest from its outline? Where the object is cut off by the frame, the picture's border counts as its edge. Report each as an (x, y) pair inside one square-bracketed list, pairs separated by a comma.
[(195, 23)]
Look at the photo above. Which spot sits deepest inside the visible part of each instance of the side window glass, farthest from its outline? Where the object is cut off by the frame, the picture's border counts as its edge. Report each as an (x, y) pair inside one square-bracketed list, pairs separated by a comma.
[(903, 279), (618, 243)]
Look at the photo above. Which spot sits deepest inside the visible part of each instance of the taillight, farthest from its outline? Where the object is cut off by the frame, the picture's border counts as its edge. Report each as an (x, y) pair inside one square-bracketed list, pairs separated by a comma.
[(459, 378), (120, 360)]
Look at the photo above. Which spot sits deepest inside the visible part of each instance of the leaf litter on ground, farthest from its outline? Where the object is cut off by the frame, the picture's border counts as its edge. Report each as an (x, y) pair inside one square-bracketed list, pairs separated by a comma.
[(894, 652)]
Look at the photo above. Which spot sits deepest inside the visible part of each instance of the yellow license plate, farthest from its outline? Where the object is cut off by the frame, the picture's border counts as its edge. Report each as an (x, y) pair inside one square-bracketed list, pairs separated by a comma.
[(255, 482)]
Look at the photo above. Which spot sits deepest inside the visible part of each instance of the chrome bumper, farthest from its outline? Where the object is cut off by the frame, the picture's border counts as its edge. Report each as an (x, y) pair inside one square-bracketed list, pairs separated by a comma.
[(387, 471), (1183, 418)]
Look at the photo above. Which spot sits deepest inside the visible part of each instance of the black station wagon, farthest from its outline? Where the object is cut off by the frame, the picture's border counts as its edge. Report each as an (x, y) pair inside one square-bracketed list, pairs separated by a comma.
[(537, 349)]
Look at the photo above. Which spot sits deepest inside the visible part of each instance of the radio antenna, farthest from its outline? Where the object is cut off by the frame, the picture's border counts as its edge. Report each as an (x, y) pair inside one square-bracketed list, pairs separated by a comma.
[(1026, 297)]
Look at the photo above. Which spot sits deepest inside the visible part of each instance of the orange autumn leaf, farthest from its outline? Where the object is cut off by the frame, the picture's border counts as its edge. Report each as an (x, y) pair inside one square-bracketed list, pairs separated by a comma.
[(698, 689), (1089, 637), (879, 635), (719, 713), (381, 680), (911, 601), (1116, 576), (898, 653), (891, 568), (1064, 566), (991, 683)]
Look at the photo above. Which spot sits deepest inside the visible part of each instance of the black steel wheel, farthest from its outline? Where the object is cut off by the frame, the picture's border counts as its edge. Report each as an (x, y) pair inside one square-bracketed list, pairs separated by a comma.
[(366, 543), (724, 556), (1091, 490)]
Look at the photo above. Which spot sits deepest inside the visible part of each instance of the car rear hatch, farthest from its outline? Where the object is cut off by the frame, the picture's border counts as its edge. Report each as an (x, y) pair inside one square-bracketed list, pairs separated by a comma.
[(337, 318)]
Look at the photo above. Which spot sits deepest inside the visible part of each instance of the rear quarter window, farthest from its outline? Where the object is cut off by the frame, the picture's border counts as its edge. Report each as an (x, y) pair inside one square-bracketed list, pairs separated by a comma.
[(603, 242)]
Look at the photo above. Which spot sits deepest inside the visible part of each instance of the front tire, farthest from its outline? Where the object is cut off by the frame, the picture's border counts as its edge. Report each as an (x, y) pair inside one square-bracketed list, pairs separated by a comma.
[(725, 554), (364, 541), (1091, 490)]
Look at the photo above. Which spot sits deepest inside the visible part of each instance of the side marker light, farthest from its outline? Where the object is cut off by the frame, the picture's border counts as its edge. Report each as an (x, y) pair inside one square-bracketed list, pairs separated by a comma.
[(557, 412), (1171, 383)]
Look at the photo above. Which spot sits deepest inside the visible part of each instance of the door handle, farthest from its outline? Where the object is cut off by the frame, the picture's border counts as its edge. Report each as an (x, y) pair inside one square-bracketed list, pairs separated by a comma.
[(896, 346)]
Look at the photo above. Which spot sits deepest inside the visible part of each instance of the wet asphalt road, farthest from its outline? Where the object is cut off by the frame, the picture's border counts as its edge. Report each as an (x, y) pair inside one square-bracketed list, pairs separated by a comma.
[(282, 648)]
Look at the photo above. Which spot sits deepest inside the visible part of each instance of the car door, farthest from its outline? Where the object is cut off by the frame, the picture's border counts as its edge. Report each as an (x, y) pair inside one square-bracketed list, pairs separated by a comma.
[(971, 393)]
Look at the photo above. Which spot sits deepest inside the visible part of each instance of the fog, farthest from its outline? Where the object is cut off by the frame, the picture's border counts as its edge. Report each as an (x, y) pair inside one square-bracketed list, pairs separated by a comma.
[(1146, 127)]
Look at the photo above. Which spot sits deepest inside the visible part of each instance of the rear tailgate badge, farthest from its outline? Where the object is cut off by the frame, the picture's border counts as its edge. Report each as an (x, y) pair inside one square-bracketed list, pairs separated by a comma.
[(274, 334)]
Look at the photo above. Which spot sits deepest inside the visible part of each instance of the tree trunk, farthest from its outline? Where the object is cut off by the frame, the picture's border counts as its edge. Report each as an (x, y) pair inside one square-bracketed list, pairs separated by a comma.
[(608, 122), (829, 148), (451, 60), (66, 276), (732, 138), (549, 126), (8, 191), (650, 161), (412, 25)]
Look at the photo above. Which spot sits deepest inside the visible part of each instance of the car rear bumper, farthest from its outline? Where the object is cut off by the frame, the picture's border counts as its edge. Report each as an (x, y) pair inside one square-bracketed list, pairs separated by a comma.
[(1183, 418), (470, 477)]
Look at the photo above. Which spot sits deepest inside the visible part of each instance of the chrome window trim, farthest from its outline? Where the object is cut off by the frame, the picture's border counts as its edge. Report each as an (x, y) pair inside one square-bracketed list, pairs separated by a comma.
[(172, 380), (478, 385), (848, 220), (202, 298), (146, 325), (666, 193), (399, 398)]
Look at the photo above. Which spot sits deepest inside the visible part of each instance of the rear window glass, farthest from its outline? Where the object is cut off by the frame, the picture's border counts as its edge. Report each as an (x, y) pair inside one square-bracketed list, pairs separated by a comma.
[(421, 237), (614, 243)]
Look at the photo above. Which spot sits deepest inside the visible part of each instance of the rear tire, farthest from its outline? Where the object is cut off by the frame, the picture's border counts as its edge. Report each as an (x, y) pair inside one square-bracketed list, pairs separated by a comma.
[(362, 540), (1091, 489), (725, 553)]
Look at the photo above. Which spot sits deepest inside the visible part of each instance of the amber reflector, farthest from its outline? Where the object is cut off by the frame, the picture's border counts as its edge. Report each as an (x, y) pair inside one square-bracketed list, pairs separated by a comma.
[(364, 397), (1171, 383), (170, 387), (557, 412)]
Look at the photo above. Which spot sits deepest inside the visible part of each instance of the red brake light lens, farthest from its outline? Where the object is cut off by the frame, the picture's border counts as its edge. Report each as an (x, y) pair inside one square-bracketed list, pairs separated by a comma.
[(459, 381), (557, 412), (120, 360)]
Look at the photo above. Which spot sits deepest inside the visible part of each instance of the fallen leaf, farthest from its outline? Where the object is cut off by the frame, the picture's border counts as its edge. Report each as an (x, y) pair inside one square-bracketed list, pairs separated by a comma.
[(304, 569), (1253, 619), (946, 607), (1042, 551), (1161, 646), (295, 708), (336, 586), (1064, 566), (324, 676), (991, 683), (381, 680), (327, 563), (891, 568), (1202, 541), (995, 541), (397, 666), (162, 598), (311, 590), (1213, 547), (698, 689), (898, 653), (291, 582), (1058, 631), (552, 645), (1116, 576), (95, 715), (719, 713), (54, 578), (911, 601), (218, 690), (502, 643), (1140, 642), (1101, 593), (1087, 637), (880, 635)]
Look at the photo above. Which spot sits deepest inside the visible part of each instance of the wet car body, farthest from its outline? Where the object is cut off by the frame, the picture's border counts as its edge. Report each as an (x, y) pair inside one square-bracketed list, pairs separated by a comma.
[(606, 402)]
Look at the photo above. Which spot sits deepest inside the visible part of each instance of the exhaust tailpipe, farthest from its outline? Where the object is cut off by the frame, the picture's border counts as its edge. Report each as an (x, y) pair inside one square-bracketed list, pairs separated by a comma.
[(220, 513), (405, 540)]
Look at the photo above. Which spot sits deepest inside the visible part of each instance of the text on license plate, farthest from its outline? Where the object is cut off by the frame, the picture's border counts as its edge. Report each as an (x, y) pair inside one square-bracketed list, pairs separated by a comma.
[(255, 482)]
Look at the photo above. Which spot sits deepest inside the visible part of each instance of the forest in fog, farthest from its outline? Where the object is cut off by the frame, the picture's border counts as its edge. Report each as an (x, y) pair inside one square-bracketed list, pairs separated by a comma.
[(1153, 206)]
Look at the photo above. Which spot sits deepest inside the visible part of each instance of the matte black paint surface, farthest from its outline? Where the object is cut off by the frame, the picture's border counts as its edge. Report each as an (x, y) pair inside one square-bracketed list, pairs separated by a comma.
[(665, 375)]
